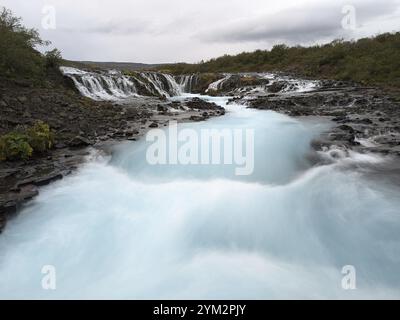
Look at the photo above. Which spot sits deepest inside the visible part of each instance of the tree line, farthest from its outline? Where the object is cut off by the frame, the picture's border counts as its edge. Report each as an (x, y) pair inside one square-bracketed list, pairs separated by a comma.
[(370, 61)]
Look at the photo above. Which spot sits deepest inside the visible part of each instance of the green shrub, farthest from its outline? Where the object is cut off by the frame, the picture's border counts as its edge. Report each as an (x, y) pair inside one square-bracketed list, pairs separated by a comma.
[(17, 47), (21, 145), (19, 57), (374, 60), (40, 137), (53, 58), (15, 146)]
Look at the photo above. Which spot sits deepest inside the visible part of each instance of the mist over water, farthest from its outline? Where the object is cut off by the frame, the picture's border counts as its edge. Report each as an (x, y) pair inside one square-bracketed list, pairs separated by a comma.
[(125, 229)]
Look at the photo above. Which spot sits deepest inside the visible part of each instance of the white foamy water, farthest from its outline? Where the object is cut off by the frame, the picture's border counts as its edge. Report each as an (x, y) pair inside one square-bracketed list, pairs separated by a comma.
[(215, 86), (124, 229), (114, 86)]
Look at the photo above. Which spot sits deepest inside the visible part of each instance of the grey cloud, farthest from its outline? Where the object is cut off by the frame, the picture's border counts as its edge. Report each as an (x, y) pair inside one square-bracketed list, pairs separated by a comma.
[(301, 24), (158, 30), (112, 28)]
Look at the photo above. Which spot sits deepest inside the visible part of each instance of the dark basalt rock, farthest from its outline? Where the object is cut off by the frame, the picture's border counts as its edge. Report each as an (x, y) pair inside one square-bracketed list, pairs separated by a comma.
[(199, 104), (10, 202), (197, 118), (161, 108), (79, 141), (346, 128), (277, 87), (45, 180), (359, 113)]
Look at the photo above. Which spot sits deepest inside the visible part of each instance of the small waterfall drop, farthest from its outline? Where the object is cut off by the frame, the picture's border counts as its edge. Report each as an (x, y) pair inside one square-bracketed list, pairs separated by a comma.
[(215, 86), (101, 86), (113, 85), (187, 83), (162, 84)]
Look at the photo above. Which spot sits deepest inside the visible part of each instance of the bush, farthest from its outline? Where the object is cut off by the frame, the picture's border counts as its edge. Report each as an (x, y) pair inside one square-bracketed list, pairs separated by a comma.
[(40, 137), (374, 60), (19, 57), (15, 146), (17, 48), (53, 58), (20, 145)]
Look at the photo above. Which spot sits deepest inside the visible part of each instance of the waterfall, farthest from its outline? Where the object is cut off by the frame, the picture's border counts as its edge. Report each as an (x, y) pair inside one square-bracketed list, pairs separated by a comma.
[(301, 85), (187, 83), (215, 86), (113, 85), (102, 86), (288, 84), (291, 85), (162, 84)]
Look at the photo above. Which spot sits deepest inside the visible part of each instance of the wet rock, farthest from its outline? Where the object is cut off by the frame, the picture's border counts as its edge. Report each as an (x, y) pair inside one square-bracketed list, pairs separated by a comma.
[(79, 141), (161, 108), (341, 118), (346, 128), (130, 133), (241, 83), (277, 87), (22, 99), (60, 146), (366, 121), (199, 104), (197, 118), (38, 179), (36, 100), (7, 172), (43, 181), (360, 112), (10, 202)]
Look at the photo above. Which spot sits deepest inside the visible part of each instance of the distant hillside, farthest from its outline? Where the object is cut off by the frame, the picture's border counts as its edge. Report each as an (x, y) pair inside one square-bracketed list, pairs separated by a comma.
[(125, 66), (374, 61)]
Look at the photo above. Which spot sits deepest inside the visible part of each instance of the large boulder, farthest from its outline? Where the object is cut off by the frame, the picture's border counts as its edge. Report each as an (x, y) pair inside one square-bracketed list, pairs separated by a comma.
[(241, 81), (79, 142), (277, 86)]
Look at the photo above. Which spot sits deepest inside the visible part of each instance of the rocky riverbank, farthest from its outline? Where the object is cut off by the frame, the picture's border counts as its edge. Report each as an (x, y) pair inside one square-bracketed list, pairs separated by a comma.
[(77, 123), (364, 118)]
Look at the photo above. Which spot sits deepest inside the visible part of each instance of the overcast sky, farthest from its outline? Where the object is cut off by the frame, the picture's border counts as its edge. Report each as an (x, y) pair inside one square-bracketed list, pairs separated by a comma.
[(158, 31)]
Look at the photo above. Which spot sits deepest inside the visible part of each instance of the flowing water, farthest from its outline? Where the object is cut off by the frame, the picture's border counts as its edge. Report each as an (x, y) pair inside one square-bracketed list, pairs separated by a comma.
[(113, 85), (121, 228)]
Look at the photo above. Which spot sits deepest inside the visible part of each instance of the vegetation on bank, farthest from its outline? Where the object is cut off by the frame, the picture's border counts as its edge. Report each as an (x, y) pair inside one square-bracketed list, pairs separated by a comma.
[(22, 143), (20, 61), (19, 58), (370, 61)]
